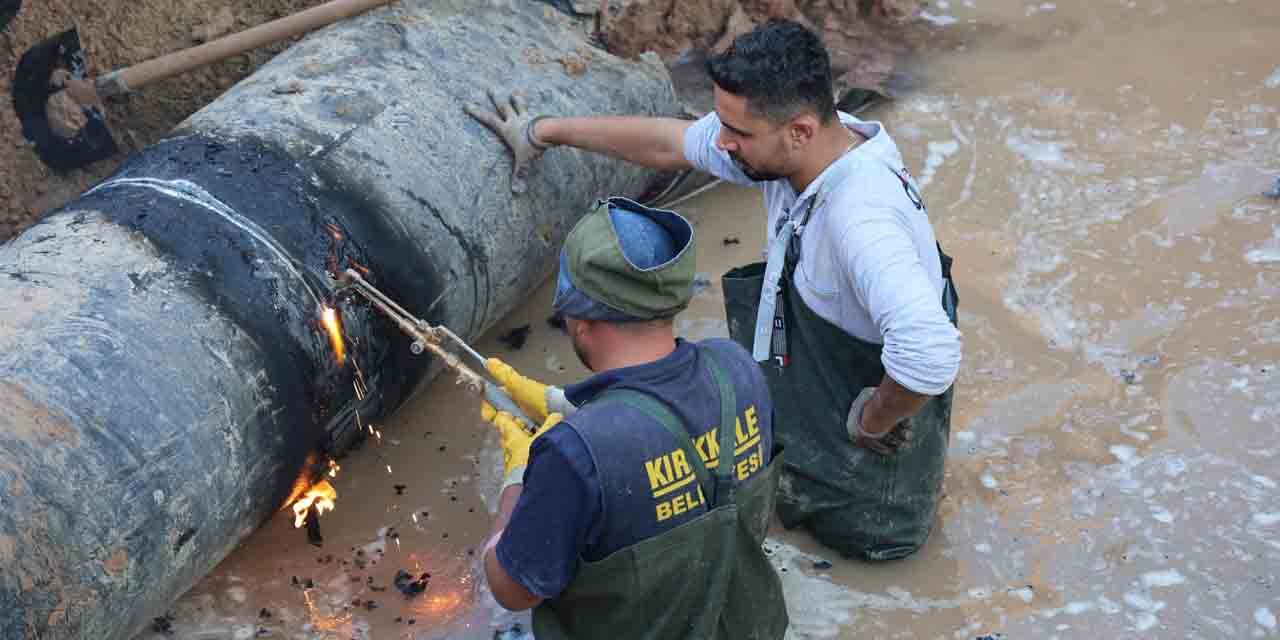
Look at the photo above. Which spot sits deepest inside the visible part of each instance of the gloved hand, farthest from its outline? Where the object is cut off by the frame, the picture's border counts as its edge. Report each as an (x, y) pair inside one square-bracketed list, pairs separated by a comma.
[(515, 441), (885, 444), (535, 398), (514, 125)]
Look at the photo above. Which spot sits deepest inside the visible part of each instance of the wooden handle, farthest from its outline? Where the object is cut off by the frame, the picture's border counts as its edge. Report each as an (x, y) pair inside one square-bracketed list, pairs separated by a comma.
[(145, 73)]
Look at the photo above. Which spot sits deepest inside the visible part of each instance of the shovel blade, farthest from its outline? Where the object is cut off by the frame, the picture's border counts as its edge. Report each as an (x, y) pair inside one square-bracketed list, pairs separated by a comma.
[(31, 91)]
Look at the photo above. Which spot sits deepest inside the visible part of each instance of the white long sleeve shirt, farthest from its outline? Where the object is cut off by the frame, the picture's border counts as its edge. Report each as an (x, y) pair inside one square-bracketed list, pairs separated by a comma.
[(869, 261)]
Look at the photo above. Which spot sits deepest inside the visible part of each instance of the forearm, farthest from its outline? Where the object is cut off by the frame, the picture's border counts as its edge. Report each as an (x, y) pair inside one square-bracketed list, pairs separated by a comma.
[(657, 143), (891, 404), (506, 505), (509, 593)]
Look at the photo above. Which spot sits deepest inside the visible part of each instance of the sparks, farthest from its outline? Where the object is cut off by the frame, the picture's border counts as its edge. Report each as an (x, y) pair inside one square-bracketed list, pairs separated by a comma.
[(322, 494), (334, 468), (329, 318)]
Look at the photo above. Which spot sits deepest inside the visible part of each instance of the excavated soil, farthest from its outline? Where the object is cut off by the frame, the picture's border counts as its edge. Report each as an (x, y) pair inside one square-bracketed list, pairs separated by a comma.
[(115, 34)]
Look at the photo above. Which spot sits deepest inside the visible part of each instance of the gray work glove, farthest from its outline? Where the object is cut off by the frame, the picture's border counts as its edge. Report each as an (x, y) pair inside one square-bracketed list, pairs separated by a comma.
[(514, 125), (885, 444)]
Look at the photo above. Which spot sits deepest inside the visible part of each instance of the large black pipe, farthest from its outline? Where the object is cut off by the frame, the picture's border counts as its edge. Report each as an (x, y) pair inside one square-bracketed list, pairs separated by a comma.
[(164, 381)]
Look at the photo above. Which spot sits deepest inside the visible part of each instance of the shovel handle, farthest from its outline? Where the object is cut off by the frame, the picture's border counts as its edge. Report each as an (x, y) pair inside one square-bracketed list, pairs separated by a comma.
[(178, 62)]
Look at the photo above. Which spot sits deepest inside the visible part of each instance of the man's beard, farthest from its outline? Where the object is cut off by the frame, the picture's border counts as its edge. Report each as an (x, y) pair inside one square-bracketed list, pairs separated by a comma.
[(753, 173), (582, 355)]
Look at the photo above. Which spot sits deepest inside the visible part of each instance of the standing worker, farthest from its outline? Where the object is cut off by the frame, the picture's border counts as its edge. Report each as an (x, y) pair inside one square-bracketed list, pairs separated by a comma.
[(639, 507), (853, 319)]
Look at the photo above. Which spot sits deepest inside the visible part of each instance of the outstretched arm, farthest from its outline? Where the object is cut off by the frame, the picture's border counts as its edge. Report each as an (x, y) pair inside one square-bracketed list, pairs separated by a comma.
[(657, 143)]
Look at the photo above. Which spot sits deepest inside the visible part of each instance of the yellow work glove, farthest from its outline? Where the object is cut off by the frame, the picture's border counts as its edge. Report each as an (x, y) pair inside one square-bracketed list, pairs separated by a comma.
[(530, 394), (515, 441)]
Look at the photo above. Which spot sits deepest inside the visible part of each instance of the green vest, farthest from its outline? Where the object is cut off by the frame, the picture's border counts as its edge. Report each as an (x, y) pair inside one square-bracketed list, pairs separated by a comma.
[(708, 578)]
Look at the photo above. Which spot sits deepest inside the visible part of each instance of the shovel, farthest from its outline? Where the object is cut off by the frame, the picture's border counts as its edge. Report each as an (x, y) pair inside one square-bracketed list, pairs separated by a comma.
[(57, 65)]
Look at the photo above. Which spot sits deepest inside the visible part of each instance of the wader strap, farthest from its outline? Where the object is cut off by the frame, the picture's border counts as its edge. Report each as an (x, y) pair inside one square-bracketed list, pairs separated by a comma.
[(728, 429), (769, 289)]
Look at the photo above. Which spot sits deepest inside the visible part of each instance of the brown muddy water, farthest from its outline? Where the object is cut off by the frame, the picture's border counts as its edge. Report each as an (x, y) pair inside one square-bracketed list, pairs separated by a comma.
[(1096, 169)]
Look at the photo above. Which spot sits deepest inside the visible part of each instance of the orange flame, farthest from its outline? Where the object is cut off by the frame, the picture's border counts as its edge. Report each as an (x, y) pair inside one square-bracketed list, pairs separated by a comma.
[(322, 494), (331, 324)]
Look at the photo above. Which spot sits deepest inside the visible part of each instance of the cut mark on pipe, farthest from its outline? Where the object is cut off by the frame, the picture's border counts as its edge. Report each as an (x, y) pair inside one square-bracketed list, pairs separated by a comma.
[(193, 193)]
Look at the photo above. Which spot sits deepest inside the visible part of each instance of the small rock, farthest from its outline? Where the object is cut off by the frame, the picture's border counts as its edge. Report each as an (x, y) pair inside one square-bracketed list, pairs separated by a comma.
[(728, 240), (400, 489), (288, 88), (264, 614), (822, 565)]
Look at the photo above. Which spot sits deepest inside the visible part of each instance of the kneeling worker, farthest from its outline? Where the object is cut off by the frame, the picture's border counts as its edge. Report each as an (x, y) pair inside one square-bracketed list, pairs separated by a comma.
[(639, 507)]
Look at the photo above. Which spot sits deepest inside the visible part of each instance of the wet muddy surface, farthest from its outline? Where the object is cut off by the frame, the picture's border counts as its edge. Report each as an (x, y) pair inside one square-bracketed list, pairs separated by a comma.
[(1097, 170)]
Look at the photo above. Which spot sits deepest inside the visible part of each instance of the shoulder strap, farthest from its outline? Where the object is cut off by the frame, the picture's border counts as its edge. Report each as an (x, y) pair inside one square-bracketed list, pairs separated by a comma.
[(728, 419)]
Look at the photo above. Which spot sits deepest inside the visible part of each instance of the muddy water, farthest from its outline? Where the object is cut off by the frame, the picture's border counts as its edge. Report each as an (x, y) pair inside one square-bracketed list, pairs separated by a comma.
[(1095, 168)]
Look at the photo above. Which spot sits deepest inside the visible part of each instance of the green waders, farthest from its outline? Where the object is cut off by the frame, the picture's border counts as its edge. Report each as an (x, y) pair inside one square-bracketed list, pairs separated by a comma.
[(708, 578), (855, 501)]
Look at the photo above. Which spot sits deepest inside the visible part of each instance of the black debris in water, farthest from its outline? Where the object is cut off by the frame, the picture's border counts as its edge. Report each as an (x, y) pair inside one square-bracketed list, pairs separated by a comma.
[(516, 632), (728, 240), (313, 526), (822, 565), (410, 586), (400, 489), (515, 338), (557, 322), (163, 624), (1275, 190)]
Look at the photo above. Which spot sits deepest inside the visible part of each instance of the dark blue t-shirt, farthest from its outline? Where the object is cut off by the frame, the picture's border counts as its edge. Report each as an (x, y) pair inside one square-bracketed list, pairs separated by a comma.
[(568, 512)]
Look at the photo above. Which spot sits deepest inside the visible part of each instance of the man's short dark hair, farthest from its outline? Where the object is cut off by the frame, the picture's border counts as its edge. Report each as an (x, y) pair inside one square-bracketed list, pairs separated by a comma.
[(781, 68)]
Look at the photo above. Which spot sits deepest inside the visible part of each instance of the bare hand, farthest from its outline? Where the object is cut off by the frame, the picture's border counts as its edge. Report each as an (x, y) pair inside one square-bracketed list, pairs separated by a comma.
[(512, 122)]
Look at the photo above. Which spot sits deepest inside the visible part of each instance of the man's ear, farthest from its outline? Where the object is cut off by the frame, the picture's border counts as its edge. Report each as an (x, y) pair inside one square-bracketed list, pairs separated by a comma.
[(802, 129)]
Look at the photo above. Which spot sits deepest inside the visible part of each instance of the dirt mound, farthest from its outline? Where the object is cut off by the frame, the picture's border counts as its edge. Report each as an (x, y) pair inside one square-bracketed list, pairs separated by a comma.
[(868, 39), (117, 33)]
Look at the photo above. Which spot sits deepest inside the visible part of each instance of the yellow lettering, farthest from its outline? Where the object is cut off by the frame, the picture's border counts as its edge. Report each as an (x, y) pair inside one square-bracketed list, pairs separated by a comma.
[(713, 444), (753, 423), (742, 470), (654, 469), (680, 504), (664, 511), (681, 464), (737, 429)]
